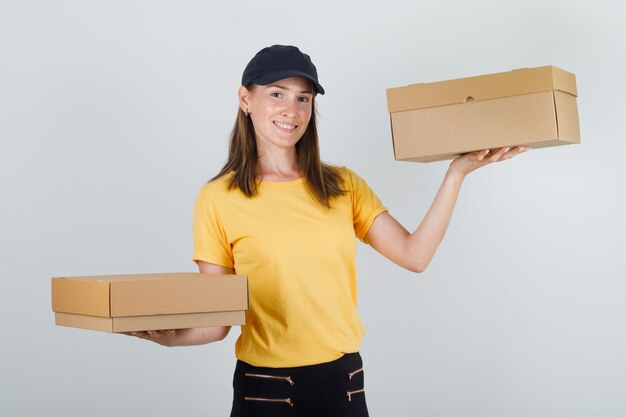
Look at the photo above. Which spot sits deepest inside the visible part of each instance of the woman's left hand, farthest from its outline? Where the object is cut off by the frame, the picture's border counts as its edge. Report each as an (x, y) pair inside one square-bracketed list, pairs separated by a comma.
[(468, 162)]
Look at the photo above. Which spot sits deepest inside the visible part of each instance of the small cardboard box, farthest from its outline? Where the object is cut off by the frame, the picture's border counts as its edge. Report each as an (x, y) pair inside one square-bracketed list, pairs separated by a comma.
[(122, 303), (534, 107)]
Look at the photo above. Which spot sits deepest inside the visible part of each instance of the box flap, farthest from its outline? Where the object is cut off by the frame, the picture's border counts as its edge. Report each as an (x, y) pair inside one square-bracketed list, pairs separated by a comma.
[(445, 131), (80, 295), (483, 87), (567, 117), (149, 294), (188, 293), (137, 277)]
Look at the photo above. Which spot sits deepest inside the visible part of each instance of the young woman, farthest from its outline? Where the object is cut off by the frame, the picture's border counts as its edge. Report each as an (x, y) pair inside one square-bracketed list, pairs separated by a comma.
[(280, 216)]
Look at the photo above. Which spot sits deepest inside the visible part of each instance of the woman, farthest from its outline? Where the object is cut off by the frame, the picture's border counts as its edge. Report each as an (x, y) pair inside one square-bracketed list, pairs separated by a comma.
[(278, 215)]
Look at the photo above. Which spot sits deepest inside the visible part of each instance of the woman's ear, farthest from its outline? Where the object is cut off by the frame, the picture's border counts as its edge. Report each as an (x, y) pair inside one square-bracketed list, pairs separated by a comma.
[(244, 99)]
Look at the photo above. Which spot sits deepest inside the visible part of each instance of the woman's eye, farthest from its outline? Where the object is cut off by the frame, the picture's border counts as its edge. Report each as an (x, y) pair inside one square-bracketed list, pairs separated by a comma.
[(275, 94), (304, 99)]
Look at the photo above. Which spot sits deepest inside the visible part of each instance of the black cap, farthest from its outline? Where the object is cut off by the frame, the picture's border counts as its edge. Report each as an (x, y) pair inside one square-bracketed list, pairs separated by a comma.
[(277, 62)]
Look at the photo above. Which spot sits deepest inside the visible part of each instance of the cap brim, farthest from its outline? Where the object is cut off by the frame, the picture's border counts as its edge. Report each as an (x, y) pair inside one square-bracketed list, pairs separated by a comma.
[(279, 75)]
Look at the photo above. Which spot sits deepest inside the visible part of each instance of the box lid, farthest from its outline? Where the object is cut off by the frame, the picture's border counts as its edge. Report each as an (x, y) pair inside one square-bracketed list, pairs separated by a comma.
[(482, 87), (149, 294)]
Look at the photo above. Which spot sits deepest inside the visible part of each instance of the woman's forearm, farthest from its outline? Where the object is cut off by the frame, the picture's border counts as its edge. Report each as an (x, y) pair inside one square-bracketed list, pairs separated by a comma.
[(424, 241)]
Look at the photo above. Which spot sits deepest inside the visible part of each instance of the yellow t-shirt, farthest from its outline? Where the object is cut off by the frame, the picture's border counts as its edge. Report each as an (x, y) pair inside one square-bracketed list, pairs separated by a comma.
[(300, 261)]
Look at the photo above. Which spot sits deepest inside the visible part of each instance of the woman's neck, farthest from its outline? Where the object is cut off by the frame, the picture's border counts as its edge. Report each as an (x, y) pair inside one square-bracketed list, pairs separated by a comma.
[(278, 165)]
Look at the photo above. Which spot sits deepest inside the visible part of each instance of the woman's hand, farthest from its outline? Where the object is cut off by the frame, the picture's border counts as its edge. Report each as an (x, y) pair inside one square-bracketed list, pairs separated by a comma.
[(468, 162), (162, 337), (183, 337)]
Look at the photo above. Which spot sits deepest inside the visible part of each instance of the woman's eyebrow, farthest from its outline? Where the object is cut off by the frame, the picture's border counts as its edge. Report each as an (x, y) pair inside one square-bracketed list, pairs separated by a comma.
[(288, 89)]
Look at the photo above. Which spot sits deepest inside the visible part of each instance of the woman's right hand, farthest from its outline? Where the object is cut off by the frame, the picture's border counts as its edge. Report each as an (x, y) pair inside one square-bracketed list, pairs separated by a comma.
[(162, 337), (183, 337), (469, 162)]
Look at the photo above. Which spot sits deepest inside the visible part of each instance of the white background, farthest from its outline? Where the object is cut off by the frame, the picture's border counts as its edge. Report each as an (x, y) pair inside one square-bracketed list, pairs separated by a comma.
[(114, 113)]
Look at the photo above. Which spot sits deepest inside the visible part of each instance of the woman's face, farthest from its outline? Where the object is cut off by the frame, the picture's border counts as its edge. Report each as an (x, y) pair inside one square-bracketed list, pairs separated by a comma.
[(280, 111)]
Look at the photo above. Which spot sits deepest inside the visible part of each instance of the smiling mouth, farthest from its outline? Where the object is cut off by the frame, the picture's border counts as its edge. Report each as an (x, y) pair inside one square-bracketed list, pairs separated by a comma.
[(285, 126)]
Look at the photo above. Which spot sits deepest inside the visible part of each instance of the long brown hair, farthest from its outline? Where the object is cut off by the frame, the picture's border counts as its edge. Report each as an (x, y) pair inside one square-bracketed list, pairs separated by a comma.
[(322, 180)]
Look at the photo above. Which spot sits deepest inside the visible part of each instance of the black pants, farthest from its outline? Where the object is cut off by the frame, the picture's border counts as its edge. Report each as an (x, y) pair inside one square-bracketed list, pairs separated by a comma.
[(333, 389)]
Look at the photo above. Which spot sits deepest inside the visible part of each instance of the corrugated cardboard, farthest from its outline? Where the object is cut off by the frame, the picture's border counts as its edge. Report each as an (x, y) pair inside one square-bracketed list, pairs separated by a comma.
[(534, 107), (118, 303)]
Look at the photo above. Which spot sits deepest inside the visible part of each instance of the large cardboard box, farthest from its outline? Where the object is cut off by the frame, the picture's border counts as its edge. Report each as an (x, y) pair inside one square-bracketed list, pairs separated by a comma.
[(534, 107), (122, 303)]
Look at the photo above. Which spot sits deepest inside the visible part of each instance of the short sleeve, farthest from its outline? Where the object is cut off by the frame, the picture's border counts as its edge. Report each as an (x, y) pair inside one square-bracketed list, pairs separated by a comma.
[(366, 206), (210, 242)]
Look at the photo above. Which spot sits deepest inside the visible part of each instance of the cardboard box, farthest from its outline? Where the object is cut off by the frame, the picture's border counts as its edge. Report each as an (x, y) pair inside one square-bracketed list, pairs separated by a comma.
[(122, 303), (534, 107)]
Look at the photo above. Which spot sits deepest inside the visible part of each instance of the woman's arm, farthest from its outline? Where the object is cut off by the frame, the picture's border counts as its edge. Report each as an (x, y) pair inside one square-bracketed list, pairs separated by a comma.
[(190, 337), (414, 251)]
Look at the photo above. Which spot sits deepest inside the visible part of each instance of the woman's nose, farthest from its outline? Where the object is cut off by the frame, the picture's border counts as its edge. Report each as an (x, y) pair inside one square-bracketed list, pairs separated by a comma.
[(290, 109)]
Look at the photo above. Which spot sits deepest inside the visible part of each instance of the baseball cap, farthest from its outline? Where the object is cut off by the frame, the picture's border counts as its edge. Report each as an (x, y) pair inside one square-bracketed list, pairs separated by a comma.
[(276, 62)]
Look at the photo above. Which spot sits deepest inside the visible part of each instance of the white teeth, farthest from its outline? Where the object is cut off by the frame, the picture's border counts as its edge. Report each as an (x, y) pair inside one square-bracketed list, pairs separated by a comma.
[(284, 126)]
